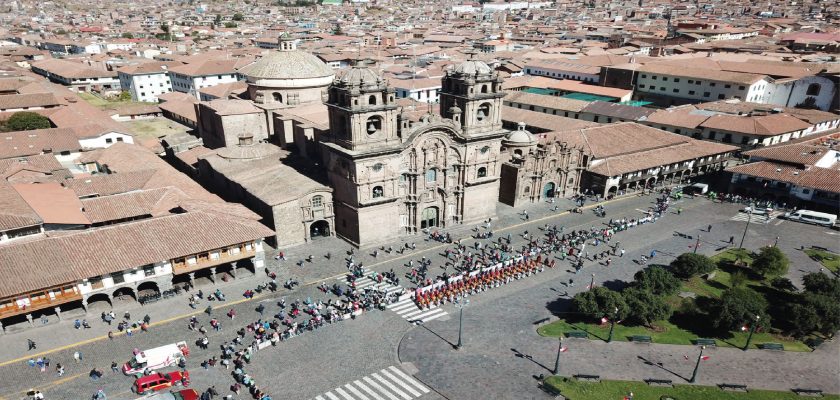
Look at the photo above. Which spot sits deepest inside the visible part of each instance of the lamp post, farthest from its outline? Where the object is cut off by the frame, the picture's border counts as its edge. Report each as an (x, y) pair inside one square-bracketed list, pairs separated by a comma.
[(461, 304), (749, 219), (612, 325), (697, 366), (592, 282), (557, 360), (752, 330), (696, 245)]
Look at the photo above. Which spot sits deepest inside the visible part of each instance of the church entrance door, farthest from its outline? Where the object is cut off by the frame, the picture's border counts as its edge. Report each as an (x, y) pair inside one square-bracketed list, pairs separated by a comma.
[(548, 190), (319, 229), (429, 217)]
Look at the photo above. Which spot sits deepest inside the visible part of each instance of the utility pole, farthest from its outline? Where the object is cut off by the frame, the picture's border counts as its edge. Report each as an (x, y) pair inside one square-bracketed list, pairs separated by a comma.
[(461, 304), (752, 330)]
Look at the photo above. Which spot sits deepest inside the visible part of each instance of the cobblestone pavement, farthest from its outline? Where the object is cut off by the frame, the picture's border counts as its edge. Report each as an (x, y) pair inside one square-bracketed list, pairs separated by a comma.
[(319, 362)]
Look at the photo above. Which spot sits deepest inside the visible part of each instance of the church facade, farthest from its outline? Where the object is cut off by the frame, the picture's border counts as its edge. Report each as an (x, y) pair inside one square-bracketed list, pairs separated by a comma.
[(392, 177)]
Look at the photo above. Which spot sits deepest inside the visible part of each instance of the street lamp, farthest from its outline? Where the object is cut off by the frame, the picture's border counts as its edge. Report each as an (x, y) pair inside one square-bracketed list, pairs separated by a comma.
[(752, 330), (461, 304), (749, 219), (697, 366), (612, 324), (592, 282), (696, 245)]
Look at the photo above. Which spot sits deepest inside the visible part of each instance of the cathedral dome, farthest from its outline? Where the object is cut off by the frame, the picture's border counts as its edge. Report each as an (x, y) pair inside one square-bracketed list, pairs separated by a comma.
[(472, 67), (249, 152), (520, 137), (361, 76), (288, 67)]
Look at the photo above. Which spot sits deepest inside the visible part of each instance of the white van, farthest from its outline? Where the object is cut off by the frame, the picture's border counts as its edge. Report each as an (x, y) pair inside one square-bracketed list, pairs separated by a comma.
[(696, 189), (812, 217), (159, 357)]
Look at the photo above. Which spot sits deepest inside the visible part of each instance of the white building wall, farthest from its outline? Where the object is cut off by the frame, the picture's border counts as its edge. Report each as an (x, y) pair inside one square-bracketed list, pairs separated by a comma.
[(561, 73), (698, 89), (148, 87), (105, 140), (192, 84)]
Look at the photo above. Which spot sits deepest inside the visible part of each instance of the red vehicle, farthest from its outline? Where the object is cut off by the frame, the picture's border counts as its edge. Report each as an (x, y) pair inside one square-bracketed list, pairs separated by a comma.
[(184, 394), (160, 381)]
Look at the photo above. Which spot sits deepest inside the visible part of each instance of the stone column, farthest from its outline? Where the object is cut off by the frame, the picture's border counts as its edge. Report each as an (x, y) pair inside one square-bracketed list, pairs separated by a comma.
[(29, 318), (2, 328), (58, 313), (213, 274), (192, 279), (84, 303)]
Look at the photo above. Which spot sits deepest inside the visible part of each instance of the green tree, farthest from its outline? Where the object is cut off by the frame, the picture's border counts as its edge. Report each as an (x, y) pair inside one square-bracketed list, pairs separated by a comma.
[(804, 320), (125, 96), (770, 262), (738, 306), (217, 20), (338, 30), (26, 121), (783, 284), (738, 279), (820, 283), (600, 302), (127, 35), (238, 17), (657, 280), (689, 264), (230, 25), (828, 310), (645, 307)]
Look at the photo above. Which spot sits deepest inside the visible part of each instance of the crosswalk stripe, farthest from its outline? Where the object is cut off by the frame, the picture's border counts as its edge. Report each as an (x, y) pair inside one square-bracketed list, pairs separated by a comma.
[(319, 397), (391, 386), (431, 312), (368, 390), (356, 392), (403, 307), (332, 396), (399, 382), (343, 393), (409, 378), (434, 317), (411, 314), (381, 389)]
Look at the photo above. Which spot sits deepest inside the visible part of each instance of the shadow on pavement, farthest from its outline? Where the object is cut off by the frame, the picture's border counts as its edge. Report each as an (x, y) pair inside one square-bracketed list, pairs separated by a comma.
[(660, 366), (530, 358), (439, 336)]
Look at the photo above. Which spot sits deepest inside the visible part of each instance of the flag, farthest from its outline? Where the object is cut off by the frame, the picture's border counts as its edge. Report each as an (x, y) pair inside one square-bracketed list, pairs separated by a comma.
[(563, 349), (704, 358)]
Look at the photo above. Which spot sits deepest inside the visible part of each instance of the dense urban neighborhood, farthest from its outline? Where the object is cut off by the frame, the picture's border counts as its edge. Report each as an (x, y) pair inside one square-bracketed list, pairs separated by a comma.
[(380, 200)]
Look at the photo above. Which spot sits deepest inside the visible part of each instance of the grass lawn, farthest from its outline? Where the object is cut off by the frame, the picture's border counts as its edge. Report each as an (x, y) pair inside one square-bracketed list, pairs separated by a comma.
[(667, 333), (608, 390), (828, 259), (103, 103), (155, 127)]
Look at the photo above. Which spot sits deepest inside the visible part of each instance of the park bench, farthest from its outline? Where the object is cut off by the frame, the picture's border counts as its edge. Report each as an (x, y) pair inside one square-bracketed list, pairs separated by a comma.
[(577, 334), (541, 321), (551, 390), (659, 382), (733, 387), (771, 346), (585, 377), (808, 392), (705, 342), (640, 339)]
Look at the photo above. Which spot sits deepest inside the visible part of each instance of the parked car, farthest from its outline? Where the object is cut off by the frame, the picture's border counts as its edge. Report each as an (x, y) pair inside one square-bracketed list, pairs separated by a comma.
[(160, 381), (757, 210)]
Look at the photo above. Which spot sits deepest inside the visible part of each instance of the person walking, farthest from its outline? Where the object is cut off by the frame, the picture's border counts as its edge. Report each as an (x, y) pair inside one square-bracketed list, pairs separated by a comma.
[(114, 366), (621, 254), (709, 229), (59, 369), (77, 356)]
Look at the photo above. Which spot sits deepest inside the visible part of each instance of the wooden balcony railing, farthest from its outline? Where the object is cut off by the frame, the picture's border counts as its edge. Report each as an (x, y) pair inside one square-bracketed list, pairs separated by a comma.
[(41, 299), (206, 260)]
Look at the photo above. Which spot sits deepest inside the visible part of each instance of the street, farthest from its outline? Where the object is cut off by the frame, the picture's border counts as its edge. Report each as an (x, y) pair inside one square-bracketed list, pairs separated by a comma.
[(380, 354)]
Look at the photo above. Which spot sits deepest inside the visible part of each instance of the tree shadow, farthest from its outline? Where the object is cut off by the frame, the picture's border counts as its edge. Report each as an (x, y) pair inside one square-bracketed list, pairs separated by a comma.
[(559, 306), (615, 285)]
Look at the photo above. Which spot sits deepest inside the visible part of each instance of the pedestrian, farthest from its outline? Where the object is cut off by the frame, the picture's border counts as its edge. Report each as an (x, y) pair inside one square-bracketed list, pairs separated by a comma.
[(31, 363), (208, 310), (128, 332), (609, 261), (59, 369), (44, 319), (77, 356), (709, 229), (31, 344), (732, 240), (114, 366), (679, 211), (652, 253), (127, 316), (231, 314)]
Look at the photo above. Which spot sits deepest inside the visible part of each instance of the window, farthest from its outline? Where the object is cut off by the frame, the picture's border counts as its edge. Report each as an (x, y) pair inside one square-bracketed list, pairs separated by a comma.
[(482, 172), (118, 277), (378, 192), (665, 78), (485, 149), (806, 191), (690, 81), (653, 77), (431, 175), (109, 140), (277, 97), (372, 100), (644, 76), (690, 92), (706, 94), (727, 86), (641, 86), (483, 112), (652, 87), (403, 178), (721, 96), (662, 89), (676, 90), (745, 140), (609, 120), (697, 82), (741, 88), (526, 191), (676, 79), (374, 124), (813, 89), (317, 201), (149, 270), (712, 84)]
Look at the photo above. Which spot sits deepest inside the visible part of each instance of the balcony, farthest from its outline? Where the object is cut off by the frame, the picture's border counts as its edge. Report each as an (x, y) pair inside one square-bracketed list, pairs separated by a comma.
[(206, 260), (38, 300)]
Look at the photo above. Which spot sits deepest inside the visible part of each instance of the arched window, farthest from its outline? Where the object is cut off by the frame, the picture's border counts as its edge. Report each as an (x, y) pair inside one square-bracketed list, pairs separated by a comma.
[(374, 124), (483, 88), (483, 112), (372, 100), (317, 201), (403, 178), (526, 191), (277, 97), (378, 192), (813, 89), (431, 175), (482, 172)]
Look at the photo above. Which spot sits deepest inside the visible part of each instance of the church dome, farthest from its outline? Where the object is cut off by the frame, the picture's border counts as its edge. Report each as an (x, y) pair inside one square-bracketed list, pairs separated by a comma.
[(288, 67), (361, 76), (520, 137), (472, 67), (249, 152)]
